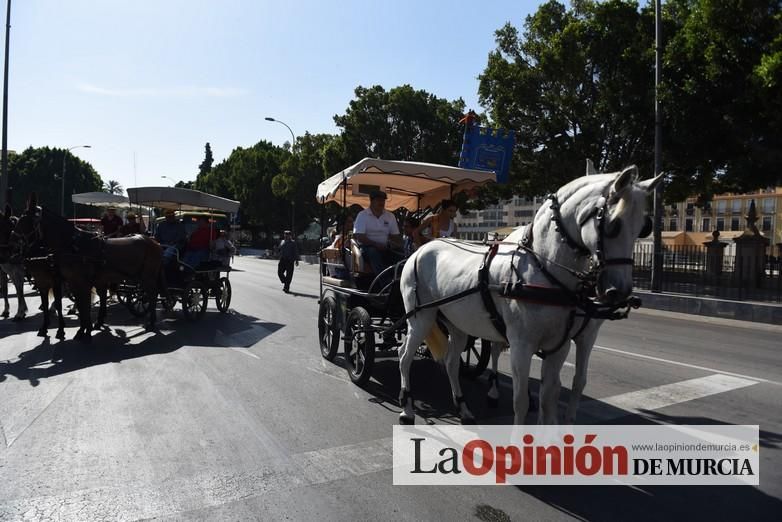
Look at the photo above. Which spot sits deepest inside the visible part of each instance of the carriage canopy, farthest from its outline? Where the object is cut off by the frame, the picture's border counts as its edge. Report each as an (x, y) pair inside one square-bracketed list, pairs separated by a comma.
[(180, 199), (408, 184), (101, 199)]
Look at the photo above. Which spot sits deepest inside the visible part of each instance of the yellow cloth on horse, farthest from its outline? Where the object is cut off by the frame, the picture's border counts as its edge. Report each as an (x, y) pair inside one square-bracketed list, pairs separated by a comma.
[(437, 343)]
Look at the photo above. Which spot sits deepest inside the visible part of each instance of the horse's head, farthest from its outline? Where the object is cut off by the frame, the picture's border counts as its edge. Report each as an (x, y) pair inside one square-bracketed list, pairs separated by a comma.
[(610, 214)]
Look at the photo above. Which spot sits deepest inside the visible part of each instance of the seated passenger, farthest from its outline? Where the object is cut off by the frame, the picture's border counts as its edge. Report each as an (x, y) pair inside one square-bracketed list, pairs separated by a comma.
[(441, 224), (132, 226), (343, 229), (171, 236), (200, 242), (111, 223), (410, 241), (376, 232)]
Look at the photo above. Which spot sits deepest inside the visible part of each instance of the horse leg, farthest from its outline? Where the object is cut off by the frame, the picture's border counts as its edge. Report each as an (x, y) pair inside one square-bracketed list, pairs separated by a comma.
[(44, 331), (493, 397), (521, 359), (452, 363), (57, 289), (83, 303), (151, 296), (584, 344), (102, 296), (418, 327), (4, 293), (551, 385), (21, 310)]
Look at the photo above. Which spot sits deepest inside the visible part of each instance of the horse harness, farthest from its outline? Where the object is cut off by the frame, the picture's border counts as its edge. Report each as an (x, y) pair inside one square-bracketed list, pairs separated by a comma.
[(580, 300)]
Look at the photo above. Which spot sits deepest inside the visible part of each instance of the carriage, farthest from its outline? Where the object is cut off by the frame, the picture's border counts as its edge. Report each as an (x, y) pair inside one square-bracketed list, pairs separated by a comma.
[(192, 286), (361, 307)]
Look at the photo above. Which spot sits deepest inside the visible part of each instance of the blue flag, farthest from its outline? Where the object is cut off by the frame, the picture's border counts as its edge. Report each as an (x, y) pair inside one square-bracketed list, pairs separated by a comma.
[(485, 148)]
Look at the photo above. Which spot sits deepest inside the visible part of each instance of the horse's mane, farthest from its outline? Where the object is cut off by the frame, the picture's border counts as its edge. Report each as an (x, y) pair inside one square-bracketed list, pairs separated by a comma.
[(596, 180)]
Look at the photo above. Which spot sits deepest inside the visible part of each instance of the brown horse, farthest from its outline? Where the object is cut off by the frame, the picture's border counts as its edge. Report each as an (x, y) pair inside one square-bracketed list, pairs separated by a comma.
[(10, 269), (85, 261)]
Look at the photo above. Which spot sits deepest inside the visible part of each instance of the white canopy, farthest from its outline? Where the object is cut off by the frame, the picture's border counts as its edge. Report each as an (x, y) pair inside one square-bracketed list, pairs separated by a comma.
[(101, 199), (408, 184), (180, 199)]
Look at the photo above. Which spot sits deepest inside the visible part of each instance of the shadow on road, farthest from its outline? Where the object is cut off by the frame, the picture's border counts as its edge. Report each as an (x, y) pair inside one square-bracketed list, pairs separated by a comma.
[(125, 340)]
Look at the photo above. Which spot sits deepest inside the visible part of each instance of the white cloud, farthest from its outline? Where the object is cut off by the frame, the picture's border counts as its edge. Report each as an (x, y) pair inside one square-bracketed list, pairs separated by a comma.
[(163, 92)]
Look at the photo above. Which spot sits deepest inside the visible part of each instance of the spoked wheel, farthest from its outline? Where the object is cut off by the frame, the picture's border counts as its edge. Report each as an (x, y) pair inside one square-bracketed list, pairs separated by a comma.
[(223, 294), (328, 332), (475, 357), (194, 301), (359, 346), (136, 302)]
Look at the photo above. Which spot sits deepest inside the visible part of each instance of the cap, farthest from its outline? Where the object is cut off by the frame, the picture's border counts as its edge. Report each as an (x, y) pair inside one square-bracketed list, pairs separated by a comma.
[(377, 194), (131, 215)]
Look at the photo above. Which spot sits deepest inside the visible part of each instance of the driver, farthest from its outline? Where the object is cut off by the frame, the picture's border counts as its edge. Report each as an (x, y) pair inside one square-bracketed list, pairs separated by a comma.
[(171, 235), (376, 232)]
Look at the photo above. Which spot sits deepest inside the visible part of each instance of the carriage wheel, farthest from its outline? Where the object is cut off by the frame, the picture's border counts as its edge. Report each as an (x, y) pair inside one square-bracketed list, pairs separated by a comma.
[(194, 301), (223, 294), (328, 332), (136, 302), (475, 357), (359, 346)]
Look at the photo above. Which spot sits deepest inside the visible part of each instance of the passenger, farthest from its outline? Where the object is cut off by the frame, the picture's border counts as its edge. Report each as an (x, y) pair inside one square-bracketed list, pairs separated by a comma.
[(200, 242), (132, 226), (376, 232), (171, 236), (224, 249), (343, 229), (410, 241), (111, 223), (441, 224)]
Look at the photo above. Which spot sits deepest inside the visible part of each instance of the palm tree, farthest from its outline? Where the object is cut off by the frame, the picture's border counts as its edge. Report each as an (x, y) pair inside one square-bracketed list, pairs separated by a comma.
[(113, 187)]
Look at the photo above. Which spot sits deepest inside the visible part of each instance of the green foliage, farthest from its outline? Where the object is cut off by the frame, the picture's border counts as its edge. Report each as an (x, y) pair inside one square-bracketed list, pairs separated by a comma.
[(576, 84), (113, 187), (39, 170), (579, 83), (401, 124), (206, 165)]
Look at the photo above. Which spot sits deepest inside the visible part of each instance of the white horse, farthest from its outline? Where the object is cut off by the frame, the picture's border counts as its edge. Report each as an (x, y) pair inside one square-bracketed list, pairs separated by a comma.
[(15, 271), (582, 237)]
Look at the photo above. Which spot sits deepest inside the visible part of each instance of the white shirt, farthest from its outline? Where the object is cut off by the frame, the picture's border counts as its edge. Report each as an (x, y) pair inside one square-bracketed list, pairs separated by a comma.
[(377, 229)]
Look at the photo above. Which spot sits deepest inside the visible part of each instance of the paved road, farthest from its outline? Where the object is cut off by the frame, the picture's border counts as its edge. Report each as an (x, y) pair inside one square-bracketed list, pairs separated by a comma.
[(237, 417)]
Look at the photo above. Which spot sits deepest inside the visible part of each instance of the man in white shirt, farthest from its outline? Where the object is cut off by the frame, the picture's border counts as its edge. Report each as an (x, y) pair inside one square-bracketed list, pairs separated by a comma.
[(376, 231)]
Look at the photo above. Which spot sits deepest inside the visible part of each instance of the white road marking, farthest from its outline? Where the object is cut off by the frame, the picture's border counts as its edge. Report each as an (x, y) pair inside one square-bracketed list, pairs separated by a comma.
[(687, 365), (245, 351), (327, 374), (658, 397)]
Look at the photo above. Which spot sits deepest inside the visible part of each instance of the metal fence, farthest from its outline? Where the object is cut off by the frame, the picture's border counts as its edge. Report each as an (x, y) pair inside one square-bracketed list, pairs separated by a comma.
[(693, 270)]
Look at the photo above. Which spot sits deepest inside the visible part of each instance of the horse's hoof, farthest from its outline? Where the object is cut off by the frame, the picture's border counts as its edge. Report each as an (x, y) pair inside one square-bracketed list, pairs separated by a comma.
[(406, 420), (60, 335), (468, 421), (42, 332), (5, 315), (98, 326), (17, 319), (492, 402)]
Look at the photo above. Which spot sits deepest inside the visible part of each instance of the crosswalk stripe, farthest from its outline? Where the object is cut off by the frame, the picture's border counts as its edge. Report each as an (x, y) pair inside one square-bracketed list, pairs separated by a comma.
[(661, 396)]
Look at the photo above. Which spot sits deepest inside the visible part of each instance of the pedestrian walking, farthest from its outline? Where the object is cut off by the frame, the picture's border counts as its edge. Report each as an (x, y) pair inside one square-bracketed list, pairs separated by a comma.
[(289, 256)]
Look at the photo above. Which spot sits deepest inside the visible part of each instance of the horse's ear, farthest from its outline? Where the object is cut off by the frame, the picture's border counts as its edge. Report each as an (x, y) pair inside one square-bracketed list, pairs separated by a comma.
[(590, 171), (650, 184), (624, 179), (32, 202)]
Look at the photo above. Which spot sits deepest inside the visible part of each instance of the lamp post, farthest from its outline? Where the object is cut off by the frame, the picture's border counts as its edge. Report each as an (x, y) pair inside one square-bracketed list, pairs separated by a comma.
[(62, 191), (293, 202), (4, 152)]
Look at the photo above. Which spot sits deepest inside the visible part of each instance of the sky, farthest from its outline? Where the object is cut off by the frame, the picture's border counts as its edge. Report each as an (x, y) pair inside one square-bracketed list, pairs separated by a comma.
[(146, 83)]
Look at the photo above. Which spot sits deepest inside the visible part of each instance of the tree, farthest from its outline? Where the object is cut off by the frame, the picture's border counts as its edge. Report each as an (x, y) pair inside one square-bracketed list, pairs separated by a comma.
[(39, 170), (401, 124), (723, 95), (576, 84), (113, 187), (206, 166)]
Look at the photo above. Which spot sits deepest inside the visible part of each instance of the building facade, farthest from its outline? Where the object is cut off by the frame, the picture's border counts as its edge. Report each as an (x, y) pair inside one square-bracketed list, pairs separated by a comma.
[(509, 214)]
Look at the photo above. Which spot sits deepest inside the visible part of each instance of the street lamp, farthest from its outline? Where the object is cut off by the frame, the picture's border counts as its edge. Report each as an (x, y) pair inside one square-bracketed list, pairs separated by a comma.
[(293, 143), (62, 191)]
